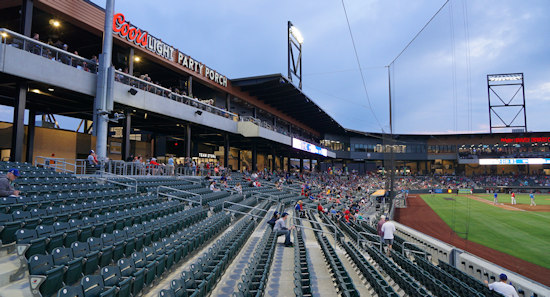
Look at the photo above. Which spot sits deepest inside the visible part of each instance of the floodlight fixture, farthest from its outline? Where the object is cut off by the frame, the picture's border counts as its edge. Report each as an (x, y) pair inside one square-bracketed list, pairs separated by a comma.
[(4, 34), (137, 59), (296, 34), (505, 77)]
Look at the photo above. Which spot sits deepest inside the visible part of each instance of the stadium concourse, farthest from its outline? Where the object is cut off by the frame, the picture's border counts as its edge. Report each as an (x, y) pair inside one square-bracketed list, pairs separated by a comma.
[(184, 235)]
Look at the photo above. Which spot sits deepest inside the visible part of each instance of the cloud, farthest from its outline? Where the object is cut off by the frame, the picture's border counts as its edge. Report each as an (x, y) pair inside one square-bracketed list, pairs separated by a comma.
[(540, 92)]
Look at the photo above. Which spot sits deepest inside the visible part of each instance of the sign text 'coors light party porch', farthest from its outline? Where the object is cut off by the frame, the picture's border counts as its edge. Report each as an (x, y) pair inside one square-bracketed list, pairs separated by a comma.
[(143, 39)]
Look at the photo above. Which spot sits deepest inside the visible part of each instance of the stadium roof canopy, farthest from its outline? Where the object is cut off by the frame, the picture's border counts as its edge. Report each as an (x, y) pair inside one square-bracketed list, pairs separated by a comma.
[(277, 91)]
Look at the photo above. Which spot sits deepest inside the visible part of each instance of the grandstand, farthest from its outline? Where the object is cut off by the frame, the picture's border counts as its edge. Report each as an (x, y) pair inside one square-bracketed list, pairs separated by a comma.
[(147, 219), (172, 236)]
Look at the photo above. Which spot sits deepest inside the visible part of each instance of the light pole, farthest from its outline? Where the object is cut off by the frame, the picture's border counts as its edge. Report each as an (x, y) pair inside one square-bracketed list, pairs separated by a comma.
[(103, 103), (295, 40)]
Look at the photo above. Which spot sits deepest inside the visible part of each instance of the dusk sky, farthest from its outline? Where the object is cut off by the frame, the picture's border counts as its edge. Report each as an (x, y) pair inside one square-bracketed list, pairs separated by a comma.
[(466, 41)]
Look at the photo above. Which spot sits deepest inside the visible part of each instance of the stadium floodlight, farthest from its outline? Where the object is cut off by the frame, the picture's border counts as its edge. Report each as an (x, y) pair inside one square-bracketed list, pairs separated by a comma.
[(505, 77), (295, 40), (296, 34)]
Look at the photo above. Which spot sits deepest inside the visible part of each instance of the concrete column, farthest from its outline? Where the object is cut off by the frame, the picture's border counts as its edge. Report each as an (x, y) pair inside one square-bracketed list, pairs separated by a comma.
[(311, 165), (255, 112), (190, 87), (254, 157), (188, 142), (301, 165), (226, 150), (228, 102), (18, 130), (126, 130), (26, 17), (30, 135), (131, 62), (289, 165), (239, 160), (282, 163)]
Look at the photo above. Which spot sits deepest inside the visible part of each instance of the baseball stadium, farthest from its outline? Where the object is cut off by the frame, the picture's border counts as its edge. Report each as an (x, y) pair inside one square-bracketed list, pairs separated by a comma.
[(131, 168)]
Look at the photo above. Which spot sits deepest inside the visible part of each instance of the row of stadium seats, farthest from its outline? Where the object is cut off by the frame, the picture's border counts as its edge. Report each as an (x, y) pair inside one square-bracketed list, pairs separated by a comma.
[(455, 284), (465, 278), (141, 267), (203, 275), (116, 210), (377, 282), (404, 280), (431, 283), (254, 280), (343, 280), (45, 238), (302, 280)]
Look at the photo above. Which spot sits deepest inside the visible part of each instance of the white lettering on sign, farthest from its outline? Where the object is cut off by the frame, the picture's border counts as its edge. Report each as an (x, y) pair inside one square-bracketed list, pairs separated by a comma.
[(145, 40)]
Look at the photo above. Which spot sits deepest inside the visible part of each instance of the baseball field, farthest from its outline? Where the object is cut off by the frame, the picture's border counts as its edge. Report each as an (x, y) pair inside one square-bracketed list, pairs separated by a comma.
[(519, 230)]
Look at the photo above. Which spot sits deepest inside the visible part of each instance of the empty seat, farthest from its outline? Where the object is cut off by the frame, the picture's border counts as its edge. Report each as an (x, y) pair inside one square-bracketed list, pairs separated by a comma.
[(47, 277), (73, 265)]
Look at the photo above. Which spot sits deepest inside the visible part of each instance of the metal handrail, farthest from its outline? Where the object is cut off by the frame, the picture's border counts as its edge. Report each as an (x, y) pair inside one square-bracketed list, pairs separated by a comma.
[(243, 205), (371, 242), (5, 34), (55, 164), (323, 224), (135, 186), (178, 190), (410, 250), (180, 198), (170, 94)]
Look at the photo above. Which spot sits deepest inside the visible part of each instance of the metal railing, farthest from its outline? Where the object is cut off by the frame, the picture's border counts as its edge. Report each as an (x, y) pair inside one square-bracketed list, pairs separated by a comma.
[(181, 191), (102, 176), (245, 206), (56, 164), (119, 167), (144, 85), (39, 48)]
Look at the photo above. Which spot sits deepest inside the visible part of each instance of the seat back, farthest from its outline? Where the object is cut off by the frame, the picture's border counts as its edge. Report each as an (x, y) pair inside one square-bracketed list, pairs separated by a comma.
[(62, 256), (25, 236), (80, 249), (126, 266), (111, 275), (69, 291), (92, 285), (40, 264)]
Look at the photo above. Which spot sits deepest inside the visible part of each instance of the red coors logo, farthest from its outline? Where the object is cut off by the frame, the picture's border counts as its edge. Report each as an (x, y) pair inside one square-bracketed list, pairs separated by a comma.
[(131, 33)]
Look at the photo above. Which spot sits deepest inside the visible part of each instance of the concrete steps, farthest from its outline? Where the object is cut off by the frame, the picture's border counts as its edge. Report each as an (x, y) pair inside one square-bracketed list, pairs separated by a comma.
[(232, 276), (9, 264)]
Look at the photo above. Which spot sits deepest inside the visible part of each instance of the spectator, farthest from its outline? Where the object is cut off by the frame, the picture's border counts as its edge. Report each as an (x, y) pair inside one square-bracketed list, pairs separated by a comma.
[(6, 187), (388, 229), (213, 187), (281, 229), (273, 219), (502, 287), (239, 188), (92, 159)]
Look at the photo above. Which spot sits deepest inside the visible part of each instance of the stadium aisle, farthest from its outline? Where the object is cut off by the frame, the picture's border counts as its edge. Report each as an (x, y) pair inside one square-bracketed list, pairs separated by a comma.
[(322, 284), (176, 273), (232, 276), (281, 277)]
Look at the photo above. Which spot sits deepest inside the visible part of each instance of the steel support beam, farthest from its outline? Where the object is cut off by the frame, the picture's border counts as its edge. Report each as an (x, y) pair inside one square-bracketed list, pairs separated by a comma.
[(30, 135), (18, 130)]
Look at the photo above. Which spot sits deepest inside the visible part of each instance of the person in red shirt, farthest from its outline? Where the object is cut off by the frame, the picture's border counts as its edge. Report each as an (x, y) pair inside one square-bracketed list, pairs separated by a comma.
[(154, 161), (319, 208), (347, 218)]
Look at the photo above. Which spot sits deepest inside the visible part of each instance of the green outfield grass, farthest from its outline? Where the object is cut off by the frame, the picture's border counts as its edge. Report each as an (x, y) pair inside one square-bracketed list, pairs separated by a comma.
[(522, 234), (540, 199)]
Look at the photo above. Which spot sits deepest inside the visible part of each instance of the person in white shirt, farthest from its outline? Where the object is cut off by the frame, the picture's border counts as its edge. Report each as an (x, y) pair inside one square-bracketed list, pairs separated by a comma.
[(502, 287), (388, 229), (213, 187)]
